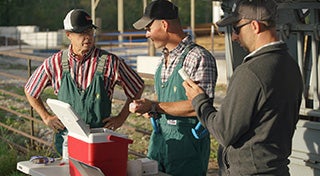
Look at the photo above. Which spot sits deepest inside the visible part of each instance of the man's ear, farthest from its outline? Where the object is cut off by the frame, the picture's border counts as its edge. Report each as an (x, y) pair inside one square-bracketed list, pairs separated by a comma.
[(256, 26), (68, 33), (165, 25)]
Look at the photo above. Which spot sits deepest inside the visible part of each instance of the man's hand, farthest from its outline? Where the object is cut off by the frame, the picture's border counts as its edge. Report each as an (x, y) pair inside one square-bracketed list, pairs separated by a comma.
[(192, 89), (54, 123), (113, 122), (141, 106)]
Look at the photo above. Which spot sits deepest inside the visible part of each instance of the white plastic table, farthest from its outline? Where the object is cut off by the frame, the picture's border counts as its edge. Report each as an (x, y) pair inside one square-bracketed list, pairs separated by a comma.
[(52, 169)]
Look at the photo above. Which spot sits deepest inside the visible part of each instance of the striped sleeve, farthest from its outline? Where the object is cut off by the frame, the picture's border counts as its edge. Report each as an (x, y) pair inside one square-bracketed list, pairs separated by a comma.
[(37, 82), (129, 79), (48, 73)]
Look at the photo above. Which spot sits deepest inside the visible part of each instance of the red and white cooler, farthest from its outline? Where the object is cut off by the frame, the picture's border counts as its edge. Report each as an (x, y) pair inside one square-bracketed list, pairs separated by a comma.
[(98, 147)]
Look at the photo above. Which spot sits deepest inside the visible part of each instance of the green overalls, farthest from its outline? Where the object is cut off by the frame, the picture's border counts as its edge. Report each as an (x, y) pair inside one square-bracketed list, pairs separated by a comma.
[(92, 104), (175, 148)]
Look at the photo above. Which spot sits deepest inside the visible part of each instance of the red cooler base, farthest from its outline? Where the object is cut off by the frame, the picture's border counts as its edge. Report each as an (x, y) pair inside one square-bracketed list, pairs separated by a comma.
[(110, 157)]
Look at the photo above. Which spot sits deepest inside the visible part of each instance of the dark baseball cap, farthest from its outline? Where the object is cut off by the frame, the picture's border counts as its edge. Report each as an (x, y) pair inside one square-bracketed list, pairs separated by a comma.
[(157, 10), (261, 10), (78, 20)]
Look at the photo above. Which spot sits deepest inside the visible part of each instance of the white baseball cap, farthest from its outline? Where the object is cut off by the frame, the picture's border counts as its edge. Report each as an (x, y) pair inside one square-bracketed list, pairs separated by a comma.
[(78, 20)]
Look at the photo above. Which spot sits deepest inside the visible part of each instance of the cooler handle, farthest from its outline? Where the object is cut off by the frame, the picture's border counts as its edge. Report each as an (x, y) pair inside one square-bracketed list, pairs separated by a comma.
[(119, 139)]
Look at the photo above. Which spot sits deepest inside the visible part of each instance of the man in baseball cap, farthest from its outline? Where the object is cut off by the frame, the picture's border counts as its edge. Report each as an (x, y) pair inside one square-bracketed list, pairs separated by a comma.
[(260, 10), (83, 72), (253, 127), (172, 145), (157, 10), (78, 21)]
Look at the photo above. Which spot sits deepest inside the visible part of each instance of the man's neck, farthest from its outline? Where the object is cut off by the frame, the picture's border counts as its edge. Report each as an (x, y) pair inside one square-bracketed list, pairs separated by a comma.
[(174, 40)]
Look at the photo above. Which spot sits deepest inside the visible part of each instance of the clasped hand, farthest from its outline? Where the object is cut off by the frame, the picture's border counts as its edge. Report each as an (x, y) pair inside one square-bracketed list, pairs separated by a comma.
[(192, 89)]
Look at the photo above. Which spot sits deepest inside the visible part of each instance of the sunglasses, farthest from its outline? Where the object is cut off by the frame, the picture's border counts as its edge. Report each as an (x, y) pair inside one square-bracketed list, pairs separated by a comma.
[(236, 29), (147, 28)]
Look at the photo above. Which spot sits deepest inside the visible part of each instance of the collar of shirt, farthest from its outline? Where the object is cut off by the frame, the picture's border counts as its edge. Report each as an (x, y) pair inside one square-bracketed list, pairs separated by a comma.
[(85, 57), (173, 57), (179, 48), (266, 45)]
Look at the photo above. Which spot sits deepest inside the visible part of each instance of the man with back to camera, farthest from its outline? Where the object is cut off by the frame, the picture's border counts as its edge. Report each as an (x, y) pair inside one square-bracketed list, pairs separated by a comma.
[(177, 151), (83, 76), (256, 122)]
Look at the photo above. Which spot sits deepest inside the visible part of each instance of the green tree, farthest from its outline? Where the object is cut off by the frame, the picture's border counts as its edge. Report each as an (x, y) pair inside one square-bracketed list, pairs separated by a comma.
[(49, 14)]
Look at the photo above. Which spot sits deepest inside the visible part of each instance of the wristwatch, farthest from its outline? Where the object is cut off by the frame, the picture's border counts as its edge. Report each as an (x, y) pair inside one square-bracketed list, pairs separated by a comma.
[(154, 118), (153, 111)]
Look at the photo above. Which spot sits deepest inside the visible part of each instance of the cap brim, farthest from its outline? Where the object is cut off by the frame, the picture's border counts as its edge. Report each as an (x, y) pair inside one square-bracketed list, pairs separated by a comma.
[(142, 22), (82, 29), (227, 21)]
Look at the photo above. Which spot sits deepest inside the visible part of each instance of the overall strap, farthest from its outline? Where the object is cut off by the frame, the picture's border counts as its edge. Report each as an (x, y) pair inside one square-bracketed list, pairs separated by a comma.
[(100, 66), (65, 64), (182, 56), (102, 62), (186, 51)]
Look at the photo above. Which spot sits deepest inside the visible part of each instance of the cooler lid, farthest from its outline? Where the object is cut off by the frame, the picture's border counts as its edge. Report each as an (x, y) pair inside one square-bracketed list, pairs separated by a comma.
[(85, 169), (68, 117)]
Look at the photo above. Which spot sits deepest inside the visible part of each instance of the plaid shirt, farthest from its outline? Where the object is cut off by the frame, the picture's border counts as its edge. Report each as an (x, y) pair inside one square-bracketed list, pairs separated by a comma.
[(82, 72), (198, 63)]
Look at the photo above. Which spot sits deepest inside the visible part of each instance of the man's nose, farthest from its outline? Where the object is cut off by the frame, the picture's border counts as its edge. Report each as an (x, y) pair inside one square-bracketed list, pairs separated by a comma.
[(234, 37), (147, 34)]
